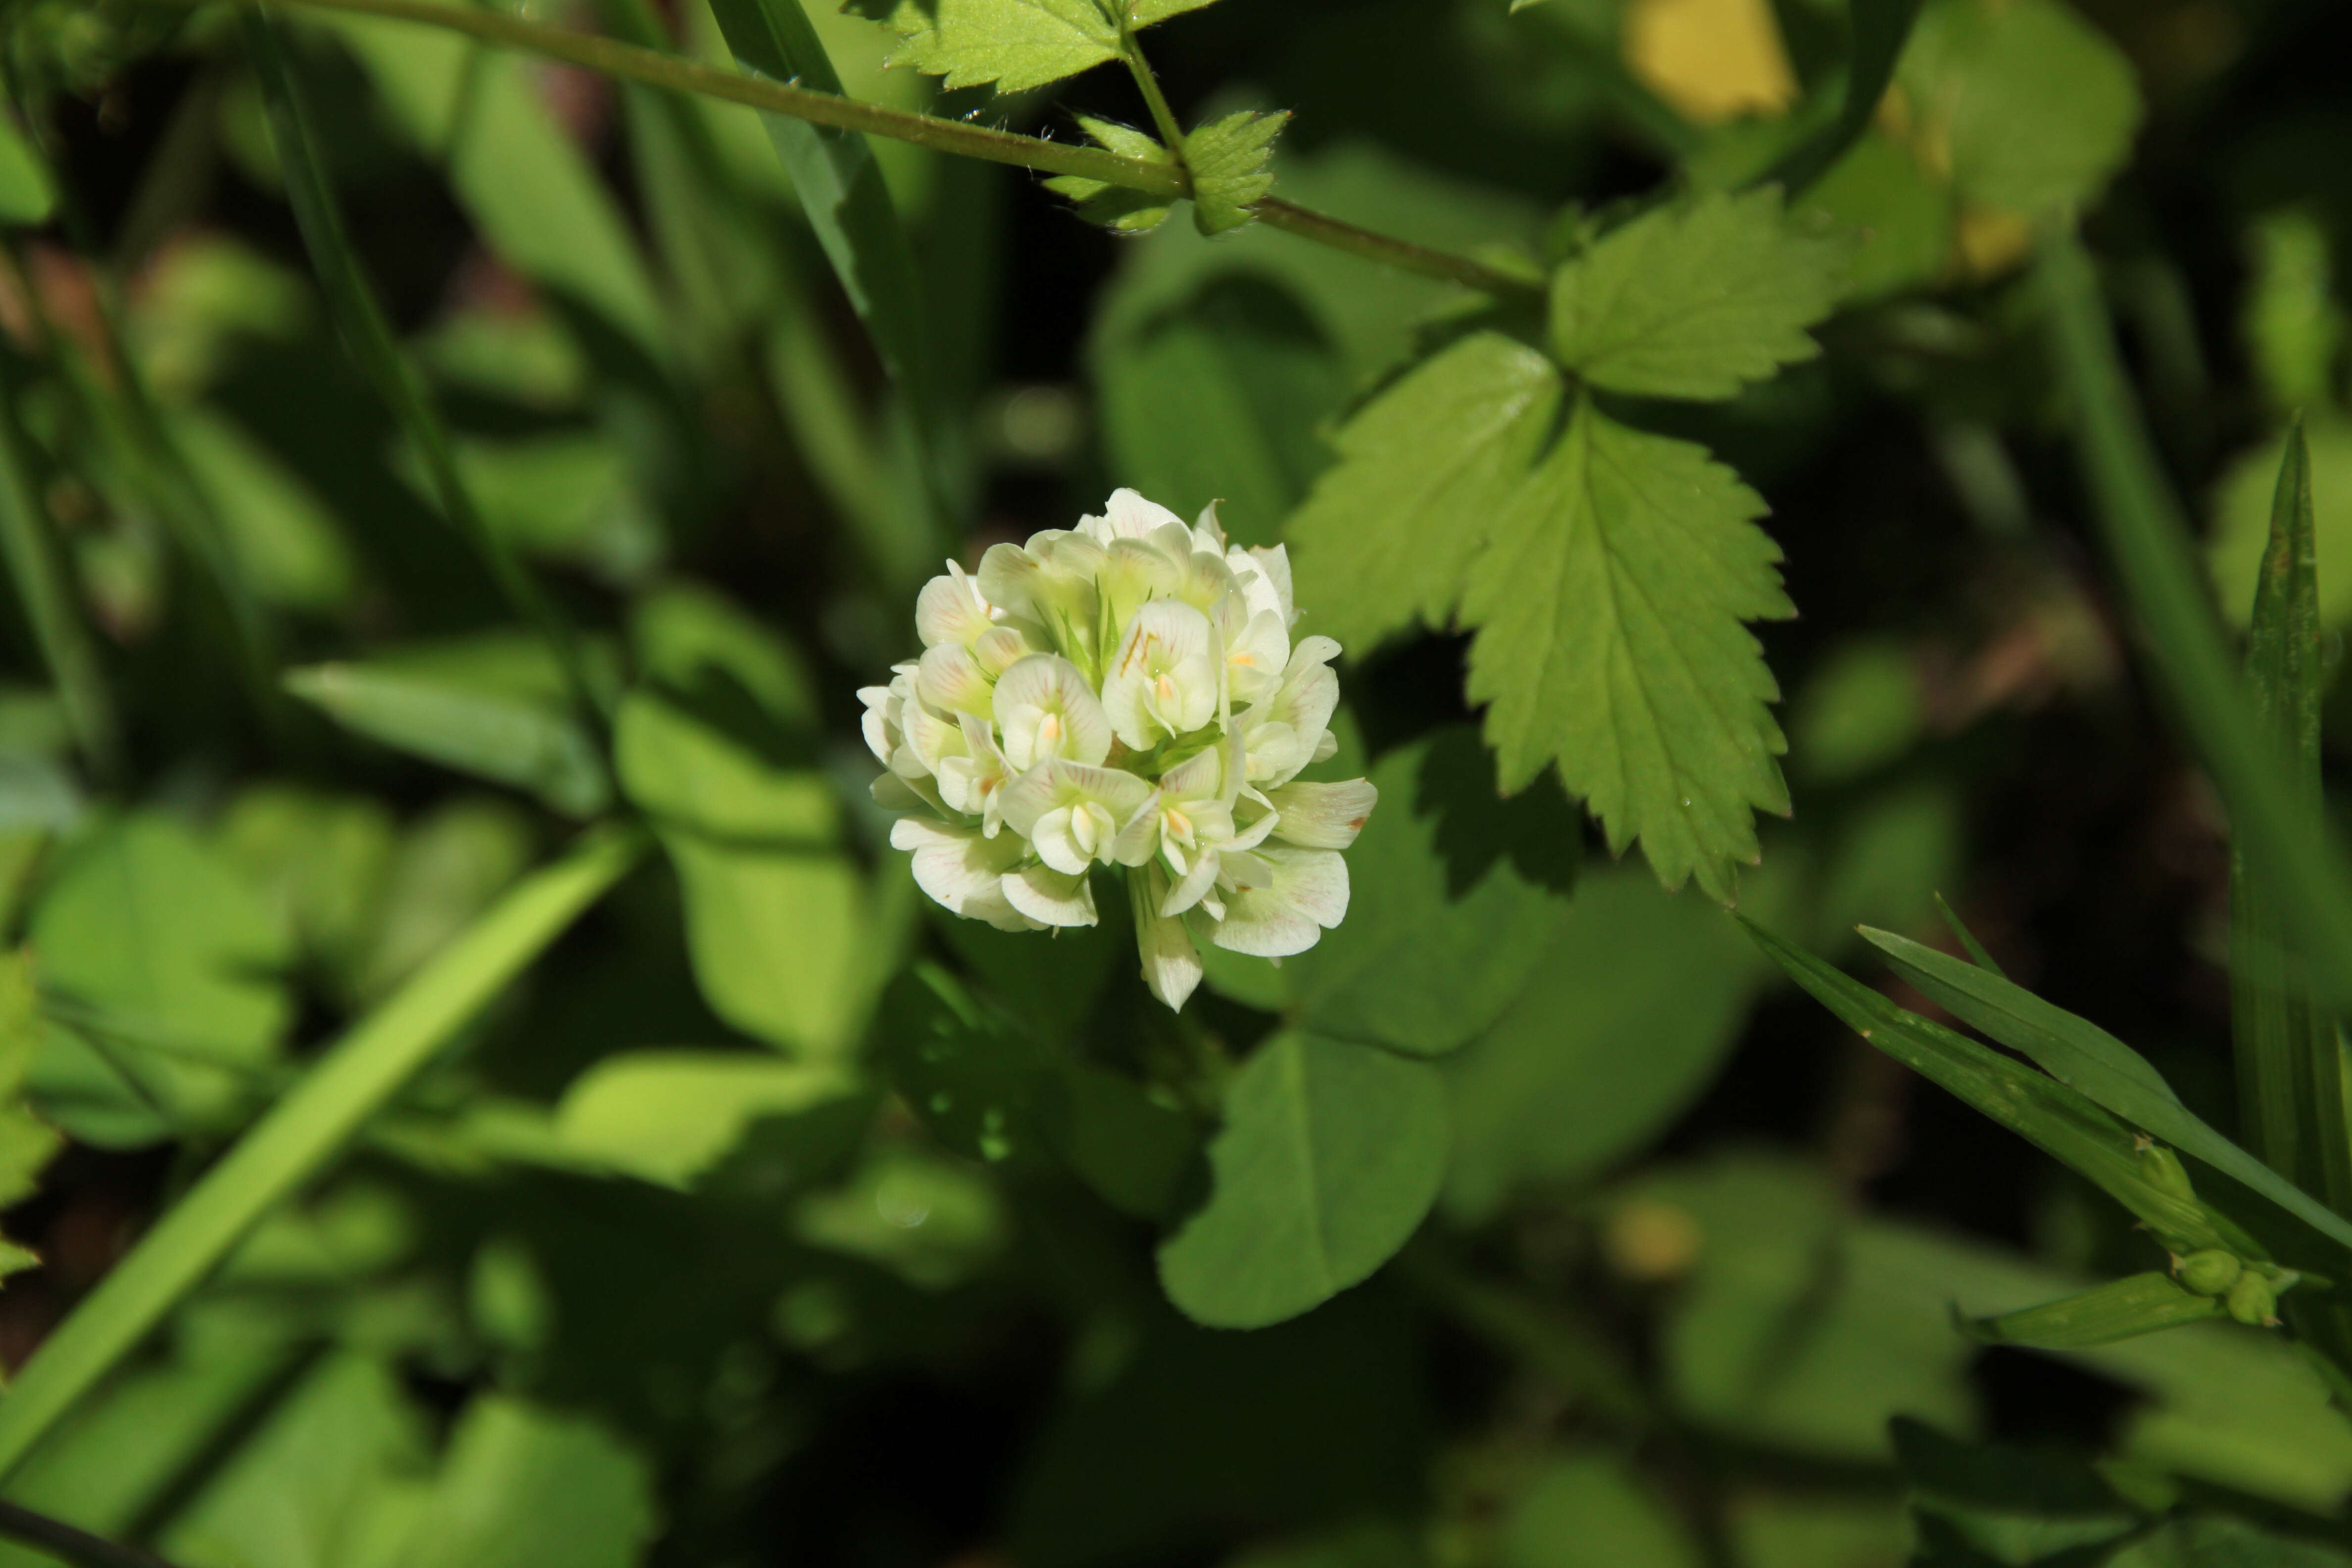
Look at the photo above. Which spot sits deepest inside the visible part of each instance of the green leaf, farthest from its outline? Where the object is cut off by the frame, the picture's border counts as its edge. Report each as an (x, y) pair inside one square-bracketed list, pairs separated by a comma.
[(1389, 529), (491, 734), (1121, 207), (1903, 218), (303, 1130), (2291, 1091), (1634, 1003), (1330, 1156), (2122, 1309), (2033, 108), (973, 1081), (690, 641), (1228, 160), (1440, 938), (1698, 299), (2061, 1120), (1594, 1510), (525, 1484), (2079, 1054), (1221, 397), (2220, 1541), (27, 1144), (1015, 43), (172, 962), (286, 540), (2291, 325), (1990, 1503), (671, 1117), (2242, 502), (683, 771), (28, 195), (1609, 606)]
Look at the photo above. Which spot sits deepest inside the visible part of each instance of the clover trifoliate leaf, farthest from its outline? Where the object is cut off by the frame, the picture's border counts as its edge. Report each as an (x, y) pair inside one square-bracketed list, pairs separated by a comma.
[(1696, 299), (1015, 43), (1389, 531), (1228, 160), (1121, 207), (1609, 603)]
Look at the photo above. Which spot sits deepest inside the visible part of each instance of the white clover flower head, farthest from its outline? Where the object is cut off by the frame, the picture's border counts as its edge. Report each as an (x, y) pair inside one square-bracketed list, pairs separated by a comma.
[(1126, 695)]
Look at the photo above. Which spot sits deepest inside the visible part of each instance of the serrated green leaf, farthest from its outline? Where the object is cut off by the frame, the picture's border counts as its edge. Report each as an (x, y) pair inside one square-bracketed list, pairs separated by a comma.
[(1610, 606), (1121, 207), (1228, 161), (1388, 531), (1014, 44), (2110, 1073), (1698, 299), (1149, 13), (1330, 1155), (490, 734), (2120, 1310)]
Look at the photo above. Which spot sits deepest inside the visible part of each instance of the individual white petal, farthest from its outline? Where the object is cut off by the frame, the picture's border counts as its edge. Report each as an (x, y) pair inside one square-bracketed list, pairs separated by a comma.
[(1323, 815), (1197, 777), (1161, 679), (1135, 572), (1285, 731), (880, 724), (1208, 533), (1293, 895), (1171, 964), (1009, 577), (1041, 804), (951, 609), (1256, 655), (1327, 747), (1050, 898), (1270, 589), (951, 681), (1044, 709), (1205, 579), (933, 737), (1192, 887), (1139, 835), (1002, 646), (1127, 515), (961, 869)]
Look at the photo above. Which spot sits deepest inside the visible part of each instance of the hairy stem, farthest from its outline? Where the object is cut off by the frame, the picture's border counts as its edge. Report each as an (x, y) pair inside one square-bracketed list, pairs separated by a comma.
[(654, 69)]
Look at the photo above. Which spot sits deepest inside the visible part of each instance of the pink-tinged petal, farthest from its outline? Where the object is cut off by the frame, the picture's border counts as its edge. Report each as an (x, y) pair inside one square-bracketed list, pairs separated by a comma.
[(1323, 815), (950, 679), (1045, 710), (1171, 964), (1307, 895), (1162, 667), (1051, 897)]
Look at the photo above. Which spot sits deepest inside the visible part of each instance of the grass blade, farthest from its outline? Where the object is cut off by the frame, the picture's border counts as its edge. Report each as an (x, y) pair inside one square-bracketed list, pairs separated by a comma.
[(2290, 1088), (2121, 1309), (301, 1134), (1975, 949), (48, 595), (360, 321), (2147, 539), (2062, 1122), (2083, 1056), (1879, 28), (856, 224)]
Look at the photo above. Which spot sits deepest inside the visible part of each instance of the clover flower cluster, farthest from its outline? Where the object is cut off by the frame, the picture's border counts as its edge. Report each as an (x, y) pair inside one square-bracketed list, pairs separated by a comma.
[(1126, 694)]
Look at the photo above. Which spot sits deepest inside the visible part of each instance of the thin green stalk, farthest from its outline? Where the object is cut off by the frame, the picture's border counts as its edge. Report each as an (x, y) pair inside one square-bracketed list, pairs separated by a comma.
[(360, 320), (664, 70), (43, 588), (2148, 538), (301, 1134), (1171, 131), (69, 1543)]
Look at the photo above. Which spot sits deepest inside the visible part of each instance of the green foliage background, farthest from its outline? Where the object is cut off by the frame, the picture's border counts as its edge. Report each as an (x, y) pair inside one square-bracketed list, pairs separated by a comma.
[(477, 1088)]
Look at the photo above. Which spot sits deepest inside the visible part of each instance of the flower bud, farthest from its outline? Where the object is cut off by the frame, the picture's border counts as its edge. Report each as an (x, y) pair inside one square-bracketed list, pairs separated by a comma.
[(2209, 1272)]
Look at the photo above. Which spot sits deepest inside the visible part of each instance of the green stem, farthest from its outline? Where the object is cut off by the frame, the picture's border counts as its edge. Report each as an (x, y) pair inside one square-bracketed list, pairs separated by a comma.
[(1171, 131), (46, 591), (2147, 536), (301, 1134), (56, 1538), (654, 68), (360, 321)]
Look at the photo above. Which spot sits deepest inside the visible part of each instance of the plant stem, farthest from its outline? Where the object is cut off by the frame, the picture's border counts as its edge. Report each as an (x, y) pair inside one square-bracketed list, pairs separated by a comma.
[(56, 1538), (1171, 130), (654, 69), (2147, 537), (301, 1134)]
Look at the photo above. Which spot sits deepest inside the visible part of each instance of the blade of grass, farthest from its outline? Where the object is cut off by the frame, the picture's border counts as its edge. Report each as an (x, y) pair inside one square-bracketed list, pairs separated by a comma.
[(2148, 538), (2121, 1309), (1879, 29), (44, 590), (2062, 1122), (2081, 1055), (360, 321), (857, 227), (301, 1134), (2290, 1089), (1975, 950)]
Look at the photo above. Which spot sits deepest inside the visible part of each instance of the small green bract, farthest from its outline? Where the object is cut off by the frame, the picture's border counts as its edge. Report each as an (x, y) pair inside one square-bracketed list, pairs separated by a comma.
[(1124, 694)]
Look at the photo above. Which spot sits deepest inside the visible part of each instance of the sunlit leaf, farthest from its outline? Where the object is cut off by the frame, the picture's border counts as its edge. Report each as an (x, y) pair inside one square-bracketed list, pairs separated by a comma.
[(670, 1116), (1228, 159)]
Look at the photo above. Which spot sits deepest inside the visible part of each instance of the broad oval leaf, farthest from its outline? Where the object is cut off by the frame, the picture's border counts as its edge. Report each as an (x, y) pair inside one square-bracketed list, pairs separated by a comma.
[(1330, 1155), (670, 1116)]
